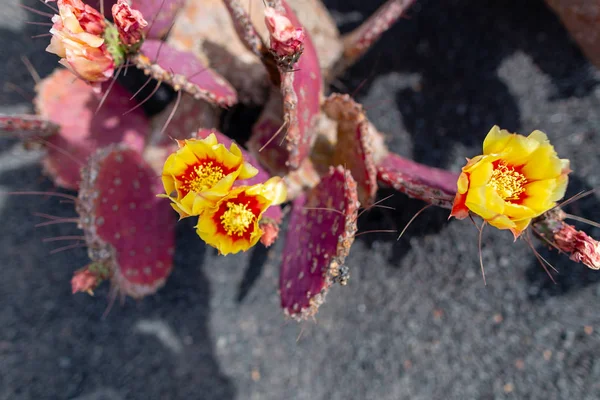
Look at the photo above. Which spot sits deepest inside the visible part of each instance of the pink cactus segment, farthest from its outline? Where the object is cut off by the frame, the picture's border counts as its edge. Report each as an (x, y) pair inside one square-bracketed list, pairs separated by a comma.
[(160, 15), (357, 42), (320, 233), (433, 185), (126, 226), (301, 92), (71, 104), (353, 147), (184, 71), (27, 127)]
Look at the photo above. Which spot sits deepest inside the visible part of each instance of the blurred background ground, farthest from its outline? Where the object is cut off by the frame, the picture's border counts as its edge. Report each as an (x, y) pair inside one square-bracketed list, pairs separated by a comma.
[(415, 321)]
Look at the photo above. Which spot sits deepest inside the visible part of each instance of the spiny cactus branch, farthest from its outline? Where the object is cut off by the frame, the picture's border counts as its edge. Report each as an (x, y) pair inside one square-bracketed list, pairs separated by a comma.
[(357, 42)]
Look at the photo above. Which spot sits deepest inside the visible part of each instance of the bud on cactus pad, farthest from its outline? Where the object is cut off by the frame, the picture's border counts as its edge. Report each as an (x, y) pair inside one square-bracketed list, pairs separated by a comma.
[(353, 147), (433, 185), (88, 278), (320, 233), (184, 71), (301, 93), (72, 104), (126, 227)]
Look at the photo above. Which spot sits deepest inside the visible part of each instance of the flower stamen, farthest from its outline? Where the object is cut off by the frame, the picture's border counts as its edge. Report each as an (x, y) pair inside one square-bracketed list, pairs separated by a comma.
[(202, 177), (507, 182), (237, 219)]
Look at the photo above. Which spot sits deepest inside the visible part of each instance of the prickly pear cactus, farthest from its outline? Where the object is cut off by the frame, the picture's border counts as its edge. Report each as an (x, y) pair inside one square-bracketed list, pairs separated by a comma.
[(321, 230), (321, 155), (127, 229)]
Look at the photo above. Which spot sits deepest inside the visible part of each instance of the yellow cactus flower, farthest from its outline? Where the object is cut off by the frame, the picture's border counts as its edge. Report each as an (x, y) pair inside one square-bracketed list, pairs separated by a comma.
[(232, 225), (516, 179), (201, 172)]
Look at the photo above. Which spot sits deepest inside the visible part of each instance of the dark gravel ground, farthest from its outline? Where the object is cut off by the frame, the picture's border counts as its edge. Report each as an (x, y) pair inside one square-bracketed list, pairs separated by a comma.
[(415, 322)]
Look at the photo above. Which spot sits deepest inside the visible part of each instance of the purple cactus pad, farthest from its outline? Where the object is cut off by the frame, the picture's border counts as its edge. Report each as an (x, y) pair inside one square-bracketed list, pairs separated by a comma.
[(301, 93), (184, 71), (353, 147), (320, 233), (126, 226), (71, 104), (433, 185)]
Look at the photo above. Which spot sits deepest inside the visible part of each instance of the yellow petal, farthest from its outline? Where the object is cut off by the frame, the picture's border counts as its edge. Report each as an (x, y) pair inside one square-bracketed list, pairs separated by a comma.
[(543, 164), (481, 174), (518, 150), (496, 140), (275, 190), (518, 211), (520, 226), (501, 222), (247, 171), (485, 202), (463, 183)]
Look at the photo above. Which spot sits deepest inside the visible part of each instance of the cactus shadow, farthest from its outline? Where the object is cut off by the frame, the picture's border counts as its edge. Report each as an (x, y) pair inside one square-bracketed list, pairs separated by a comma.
[(253, 271), (457, 54), (572, 276), (60, 344), (430, 221)]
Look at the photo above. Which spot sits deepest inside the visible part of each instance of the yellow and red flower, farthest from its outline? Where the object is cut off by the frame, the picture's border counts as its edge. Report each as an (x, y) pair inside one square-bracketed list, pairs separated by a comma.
[(233, 224), (201, 172), (516, 179), (77, 37)]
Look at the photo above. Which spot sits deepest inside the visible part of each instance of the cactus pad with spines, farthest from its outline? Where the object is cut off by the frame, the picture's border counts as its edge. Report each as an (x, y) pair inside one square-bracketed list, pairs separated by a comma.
[(320, 233), (126, 226)]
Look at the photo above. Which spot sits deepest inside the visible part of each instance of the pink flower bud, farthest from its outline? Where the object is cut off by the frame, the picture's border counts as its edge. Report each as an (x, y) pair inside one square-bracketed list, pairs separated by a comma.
[(129, 22), (286, 40), (88, 278), (578, 245)]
